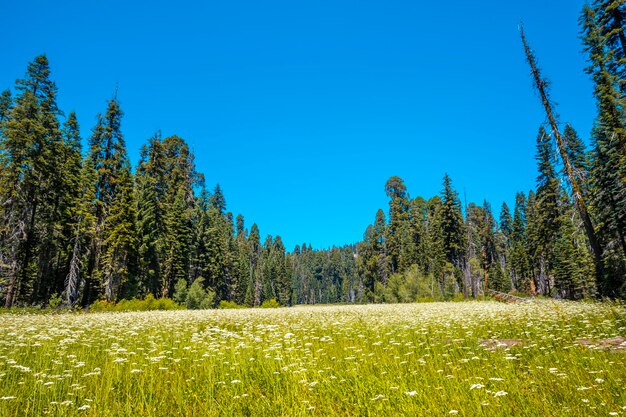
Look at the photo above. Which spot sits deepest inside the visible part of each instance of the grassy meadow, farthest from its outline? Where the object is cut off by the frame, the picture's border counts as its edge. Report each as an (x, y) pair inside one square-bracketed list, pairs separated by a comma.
[(541, 358)]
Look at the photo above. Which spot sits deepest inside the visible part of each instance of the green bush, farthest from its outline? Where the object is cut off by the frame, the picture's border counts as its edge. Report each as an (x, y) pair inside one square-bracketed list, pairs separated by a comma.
[(55, 301), (101, 305), (180, 291), (272, 303), (197, 297), (147, 304), (166, 304), (410, 286), (225, 305)]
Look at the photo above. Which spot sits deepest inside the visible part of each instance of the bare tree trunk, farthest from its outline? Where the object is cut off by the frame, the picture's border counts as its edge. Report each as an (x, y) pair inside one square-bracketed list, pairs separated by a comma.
[(73, 277), (257, 280), (11, 287), (467, 279), (17, 234)]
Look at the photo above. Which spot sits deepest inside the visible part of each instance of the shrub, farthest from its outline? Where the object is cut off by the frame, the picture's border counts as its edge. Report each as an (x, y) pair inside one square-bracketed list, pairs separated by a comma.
[(180, 291), (197, 297), (225, 305), (411, 285), (272, 303), (101, 305), (148, 303), (166, 304), (55, 301)]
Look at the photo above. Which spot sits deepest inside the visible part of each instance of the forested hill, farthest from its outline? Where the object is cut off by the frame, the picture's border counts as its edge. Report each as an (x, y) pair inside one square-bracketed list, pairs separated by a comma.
[(83, 225)]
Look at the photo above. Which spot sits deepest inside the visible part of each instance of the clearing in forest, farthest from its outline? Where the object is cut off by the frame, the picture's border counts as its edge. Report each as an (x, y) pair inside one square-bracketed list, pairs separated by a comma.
[(469, 358)]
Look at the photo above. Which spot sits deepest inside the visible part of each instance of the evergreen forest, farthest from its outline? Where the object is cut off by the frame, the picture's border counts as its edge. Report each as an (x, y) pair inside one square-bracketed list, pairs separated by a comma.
[(79, 224)]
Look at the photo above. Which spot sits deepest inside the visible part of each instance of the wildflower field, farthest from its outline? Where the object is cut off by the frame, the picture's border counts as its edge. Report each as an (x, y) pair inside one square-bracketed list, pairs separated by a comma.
[(542, 358)]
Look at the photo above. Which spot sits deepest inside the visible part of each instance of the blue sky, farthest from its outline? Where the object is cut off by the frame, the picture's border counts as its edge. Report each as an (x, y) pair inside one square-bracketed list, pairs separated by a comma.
[(301, 110)]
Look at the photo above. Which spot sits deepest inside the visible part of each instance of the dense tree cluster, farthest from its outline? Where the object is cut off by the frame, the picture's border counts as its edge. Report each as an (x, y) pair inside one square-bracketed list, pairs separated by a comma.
[(87, 227), (82, 224), (446, 251)]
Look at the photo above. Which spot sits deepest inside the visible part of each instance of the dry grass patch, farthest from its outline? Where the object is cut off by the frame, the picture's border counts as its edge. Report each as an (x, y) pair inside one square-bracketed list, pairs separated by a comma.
[(491, 344), (616, 344)]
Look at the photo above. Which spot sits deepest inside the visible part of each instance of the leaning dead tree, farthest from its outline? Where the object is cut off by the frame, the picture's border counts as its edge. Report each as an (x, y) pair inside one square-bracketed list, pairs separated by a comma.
[(542, 87)]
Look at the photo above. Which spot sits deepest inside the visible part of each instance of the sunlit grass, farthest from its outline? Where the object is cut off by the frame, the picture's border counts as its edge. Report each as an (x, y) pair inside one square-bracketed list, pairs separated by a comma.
[(474, 358)]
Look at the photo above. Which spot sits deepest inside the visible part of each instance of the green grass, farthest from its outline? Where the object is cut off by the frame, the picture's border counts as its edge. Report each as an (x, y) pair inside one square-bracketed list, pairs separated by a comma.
[(419, 359)]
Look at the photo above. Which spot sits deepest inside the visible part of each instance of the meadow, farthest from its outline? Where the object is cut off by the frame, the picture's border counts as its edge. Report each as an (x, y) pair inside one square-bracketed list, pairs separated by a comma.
[(540, 358)]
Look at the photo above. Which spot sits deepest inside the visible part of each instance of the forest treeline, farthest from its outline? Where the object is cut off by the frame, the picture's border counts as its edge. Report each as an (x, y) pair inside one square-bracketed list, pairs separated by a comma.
[(82, 224)]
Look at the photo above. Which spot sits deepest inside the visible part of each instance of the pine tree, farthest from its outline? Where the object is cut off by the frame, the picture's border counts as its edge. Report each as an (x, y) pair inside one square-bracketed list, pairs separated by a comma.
[(506, 221), (217, 200), (504, 242), (414, 238), (268, 271), (200, 224), (610, 16), (253, 296), (534, 242), (602, 35), (452, 226), (231, 272), (549, 211), (579, 158), (114, 244), (372, 257), (177, 243), (434, 251), (396, 233), (520, 268), (6, 103), (83, 234), (573, 263), (281, 276), (150, 230), (489, 254), (166, 178), (31, 155), (73, 209), (119, 266), (243, 264), (150, 189)]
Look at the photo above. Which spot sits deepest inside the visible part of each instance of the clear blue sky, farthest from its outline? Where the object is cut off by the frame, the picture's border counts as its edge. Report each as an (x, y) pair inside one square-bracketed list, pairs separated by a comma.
[(301, 110)]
